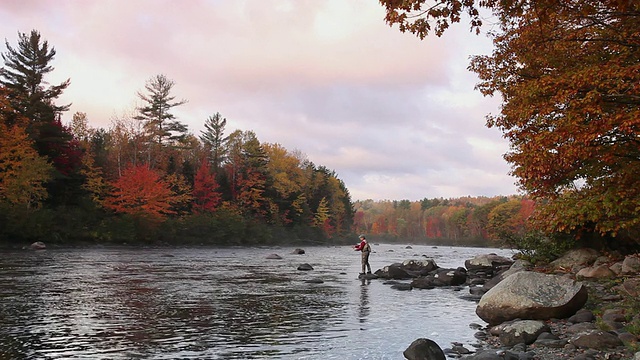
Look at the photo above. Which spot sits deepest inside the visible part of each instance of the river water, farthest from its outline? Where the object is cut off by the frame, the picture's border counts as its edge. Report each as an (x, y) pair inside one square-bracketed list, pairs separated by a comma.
[(222, 303)]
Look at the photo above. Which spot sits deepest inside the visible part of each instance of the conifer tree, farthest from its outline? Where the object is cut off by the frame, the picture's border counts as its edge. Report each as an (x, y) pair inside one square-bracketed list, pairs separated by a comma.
[(23, 74), (159, 123), (214, 139)]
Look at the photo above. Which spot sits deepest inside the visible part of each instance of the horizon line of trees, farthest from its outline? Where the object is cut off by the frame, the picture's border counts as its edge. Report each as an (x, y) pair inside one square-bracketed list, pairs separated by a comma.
[(469, 221), (146, 178)]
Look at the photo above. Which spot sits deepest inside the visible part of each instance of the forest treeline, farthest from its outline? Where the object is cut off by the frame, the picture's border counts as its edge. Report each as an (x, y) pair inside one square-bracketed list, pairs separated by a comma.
[(146, 178), (465, 221)]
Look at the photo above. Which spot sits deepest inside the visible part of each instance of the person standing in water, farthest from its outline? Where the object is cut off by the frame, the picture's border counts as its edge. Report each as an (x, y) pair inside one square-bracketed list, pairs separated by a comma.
[(365, 248)]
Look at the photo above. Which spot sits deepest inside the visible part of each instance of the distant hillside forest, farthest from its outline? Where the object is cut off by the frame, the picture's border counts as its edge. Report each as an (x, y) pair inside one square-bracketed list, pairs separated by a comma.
[(472, 221)]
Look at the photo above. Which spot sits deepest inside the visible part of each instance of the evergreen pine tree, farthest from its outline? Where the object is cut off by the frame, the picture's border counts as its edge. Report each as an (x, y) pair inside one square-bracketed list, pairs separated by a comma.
[(214, 139), (23, 75), (159, 123)]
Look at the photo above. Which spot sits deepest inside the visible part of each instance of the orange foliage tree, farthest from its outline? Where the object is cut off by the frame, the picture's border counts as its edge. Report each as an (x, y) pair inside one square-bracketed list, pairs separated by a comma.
[(23, 173), (569, 74), (141, 191), (572, 111)]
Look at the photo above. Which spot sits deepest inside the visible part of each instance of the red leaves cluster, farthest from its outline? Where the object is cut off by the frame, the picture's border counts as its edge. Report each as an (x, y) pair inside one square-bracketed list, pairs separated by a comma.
[(205, 195), (62, 148), (140, 191)]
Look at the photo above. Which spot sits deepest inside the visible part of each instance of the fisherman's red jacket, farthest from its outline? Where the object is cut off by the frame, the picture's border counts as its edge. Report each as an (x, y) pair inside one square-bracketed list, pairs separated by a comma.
[(361, 246)]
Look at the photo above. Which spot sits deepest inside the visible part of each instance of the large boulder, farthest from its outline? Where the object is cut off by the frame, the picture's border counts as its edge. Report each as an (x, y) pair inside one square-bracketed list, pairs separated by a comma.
[(596, 339), (518, 265), (441, 277), (417, 268), (394, 271), (484, 267), (595, 272), (408, 269), (530, 295), (631, 286), (575, 259), (487, 261), (424, 349), (631, 265), (450, 277)]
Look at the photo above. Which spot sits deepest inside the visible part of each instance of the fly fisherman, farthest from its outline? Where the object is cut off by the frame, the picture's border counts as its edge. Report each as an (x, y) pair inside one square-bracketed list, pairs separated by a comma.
[(365, 248)]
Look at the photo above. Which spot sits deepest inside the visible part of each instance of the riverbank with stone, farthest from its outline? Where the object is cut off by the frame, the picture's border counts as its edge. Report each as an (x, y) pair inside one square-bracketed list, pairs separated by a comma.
[(582, 306), (595, 334), (606, 327)]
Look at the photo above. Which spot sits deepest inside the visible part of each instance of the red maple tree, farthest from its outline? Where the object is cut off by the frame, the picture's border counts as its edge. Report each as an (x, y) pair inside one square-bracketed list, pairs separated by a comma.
[(206, 198), (141, 191)]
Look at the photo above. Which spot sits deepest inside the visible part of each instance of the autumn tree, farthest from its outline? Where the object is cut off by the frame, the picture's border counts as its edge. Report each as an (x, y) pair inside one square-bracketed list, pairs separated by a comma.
[(23, 173), (341, 206), (126, 141), (141, 191), (94, 182), (246, 172), (507, 220), (182, 193), (322, 218), (63, 149), (571, 111), (206, 197), (252, 180), (287, 182), (324, 184), (480, 218), (80, 129), (159, 123), (568, 74)]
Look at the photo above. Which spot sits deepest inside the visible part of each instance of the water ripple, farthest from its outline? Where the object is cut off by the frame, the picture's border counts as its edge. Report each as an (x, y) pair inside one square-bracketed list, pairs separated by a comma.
[(188, 303)]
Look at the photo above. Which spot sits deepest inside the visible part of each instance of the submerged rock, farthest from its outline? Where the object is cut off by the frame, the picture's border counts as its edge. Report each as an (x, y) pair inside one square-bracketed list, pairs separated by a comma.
[(424, 349)]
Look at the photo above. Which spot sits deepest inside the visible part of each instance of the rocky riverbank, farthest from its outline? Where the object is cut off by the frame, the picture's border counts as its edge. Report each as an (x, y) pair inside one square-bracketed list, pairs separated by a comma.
[(598, 331), (582, 306)]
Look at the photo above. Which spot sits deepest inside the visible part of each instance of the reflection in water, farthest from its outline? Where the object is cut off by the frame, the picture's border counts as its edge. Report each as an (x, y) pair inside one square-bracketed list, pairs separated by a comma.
[(363, 308), (135, 306)]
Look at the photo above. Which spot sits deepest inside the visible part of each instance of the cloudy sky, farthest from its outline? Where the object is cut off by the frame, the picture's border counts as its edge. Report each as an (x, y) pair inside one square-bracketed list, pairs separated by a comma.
[(394, 116)]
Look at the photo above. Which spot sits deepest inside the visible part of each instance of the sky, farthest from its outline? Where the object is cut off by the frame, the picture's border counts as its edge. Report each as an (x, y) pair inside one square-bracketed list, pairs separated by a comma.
[(394, 116)]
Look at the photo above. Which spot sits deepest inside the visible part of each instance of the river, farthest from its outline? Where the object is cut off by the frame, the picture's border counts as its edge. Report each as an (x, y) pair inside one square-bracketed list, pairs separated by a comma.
[(223, 303)]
